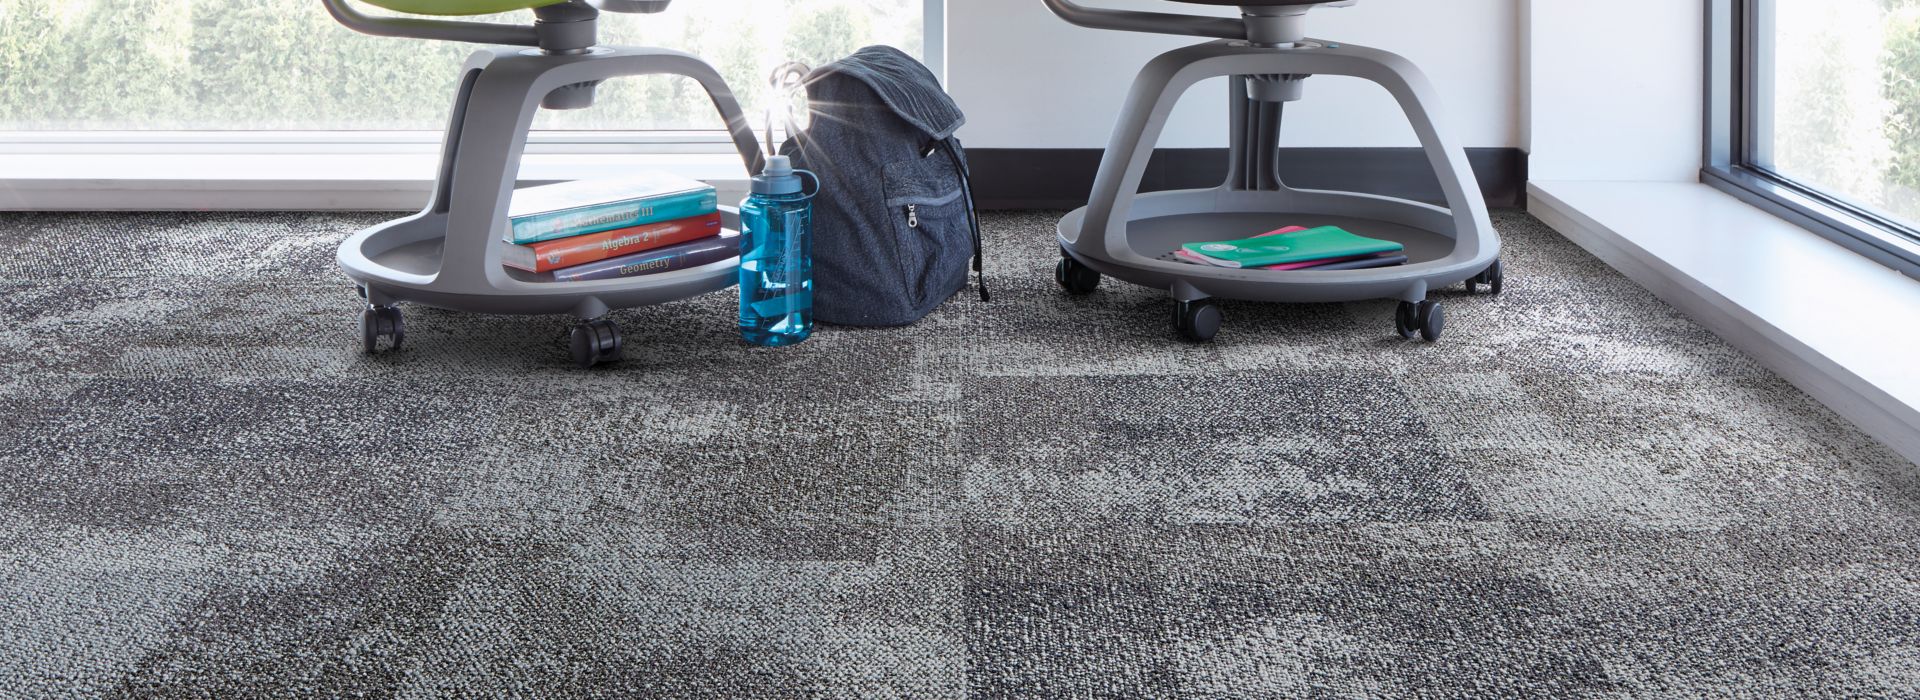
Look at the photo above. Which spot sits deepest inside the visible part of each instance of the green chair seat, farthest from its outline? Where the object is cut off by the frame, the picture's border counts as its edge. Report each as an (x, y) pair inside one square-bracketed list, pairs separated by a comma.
[(460, 7)]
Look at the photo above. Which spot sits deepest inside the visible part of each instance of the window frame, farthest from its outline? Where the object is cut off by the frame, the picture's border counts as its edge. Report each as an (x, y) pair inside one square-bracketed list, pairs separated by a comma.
[(1733, 93), (374, 141)]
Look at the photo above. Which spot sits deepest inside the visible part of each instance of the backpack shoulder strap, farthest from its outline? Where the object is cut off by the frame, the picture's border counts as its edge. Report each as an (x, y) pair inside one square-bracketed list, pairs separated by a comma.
[(973, 214)]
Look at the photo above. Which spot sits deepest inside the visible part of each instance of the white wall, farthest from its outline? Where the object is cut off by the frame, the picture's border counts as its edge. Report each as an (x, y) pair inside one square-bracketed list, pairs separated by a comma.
[(1613, 90), (1027, 79)]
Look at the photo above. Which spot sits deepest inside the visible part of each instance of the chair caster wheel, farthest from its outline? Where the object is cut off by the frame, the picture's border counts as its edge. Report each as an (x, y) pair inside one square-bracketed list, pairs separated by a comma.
[(1433, 320), (594, 342), (1196, 320), (1494, 277), (377, 322), (1076, 278), (1425, 320)]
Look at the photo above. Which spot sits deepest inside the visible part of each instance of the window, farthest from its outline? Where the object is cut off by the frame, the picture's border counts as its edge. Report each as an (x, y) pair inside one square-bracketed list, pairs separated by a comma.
[(1814, 113), (281, 65)]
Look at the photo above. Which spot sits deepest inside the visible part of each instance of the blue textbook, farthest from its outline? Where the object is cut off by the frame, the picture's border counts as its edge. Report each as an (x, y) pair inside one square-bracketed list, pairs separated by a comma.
[(580, 207)]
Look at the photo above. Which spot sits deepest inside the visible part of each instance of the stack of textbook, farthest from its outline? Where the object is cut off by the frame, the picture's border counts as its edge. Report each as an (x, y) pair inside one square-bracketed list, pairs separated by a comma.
[(1297, 248), (613, 228)]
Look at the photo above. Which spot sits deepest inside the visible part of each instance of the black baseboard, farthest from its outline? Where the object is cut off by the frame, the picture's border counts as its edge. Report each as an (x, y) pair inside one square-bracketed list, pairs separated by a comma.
[(1060, 178)]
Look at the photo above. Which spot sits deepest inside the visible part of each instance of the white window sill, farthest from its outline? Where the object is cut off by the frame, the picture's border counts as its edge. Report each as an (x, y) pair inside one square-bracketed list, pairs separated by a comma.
[(1836, 324), (294, 181)]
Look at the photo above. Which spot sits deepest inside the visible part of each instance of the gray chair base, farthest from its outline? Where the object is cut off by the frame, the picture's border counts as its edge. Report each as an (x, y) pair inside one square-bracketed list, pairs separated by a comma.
[(1126, 235), (448, 255)]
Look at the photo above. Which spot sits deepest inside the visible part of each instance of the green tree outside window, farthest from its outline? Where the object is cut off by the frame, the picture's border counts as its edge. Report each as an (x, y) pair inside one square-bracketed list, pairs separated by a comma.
[(285, 64)]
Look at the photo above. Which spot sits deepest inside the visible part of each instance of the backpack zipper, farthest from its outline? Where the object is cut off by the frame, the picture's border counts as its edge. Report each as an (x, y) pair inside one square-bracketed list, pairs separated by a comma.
[(913, 216)]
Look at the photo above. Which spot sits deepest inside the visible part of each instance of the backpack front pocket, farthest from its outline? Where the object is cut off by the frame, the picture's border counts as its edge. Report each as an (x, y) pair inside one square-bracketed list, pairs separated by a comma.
[(928, 211)]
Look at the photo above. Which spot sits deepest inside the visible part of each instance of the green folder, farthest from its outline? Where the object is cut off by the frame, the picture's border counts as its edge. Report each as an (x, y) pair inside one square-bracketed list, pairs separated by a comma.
[(1300, 246)]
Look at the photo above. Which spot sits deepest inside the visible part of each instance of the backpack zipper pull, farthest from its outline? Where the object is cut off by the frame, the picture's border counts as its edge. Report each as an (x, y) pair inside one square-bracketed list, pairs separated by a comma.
[(913, 216)]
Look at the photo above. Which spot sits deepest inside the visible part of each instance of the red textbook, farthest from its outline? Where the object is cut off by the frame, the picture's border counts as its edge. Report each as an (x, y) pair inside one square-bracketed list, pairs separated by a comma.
[(594, 247)]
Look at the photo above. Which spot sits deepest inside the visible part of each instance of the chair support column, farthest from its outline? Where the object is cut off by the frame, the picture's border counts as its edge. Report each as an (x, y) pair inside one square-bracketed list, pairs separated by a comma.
[(1253, 139)]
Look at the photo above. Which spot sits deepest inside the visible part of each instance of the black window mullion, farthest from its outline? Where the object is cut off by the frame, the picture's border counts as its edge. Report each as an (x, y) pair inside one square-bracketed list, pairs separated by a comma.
[(1747, 58)]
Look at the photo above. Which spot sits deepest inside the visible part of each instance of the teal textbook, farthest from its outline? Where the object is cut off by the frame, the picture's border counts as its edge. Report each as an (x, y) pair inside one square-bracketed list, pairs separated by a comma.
[(580, 207), (1312, 244)]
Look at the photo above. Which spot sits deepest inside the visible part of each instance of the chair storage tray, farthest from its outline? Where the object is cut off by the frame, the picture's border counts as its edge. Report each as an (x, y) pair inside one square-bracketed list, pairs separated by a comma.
[(1435, 257), (402, 260), (1158, 237)]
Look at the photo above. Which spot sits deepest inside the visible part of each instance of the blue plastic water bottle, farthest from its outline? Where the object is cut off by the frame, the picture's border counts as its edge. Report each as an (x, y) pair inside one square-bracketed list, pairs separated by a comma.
[(776, 257)]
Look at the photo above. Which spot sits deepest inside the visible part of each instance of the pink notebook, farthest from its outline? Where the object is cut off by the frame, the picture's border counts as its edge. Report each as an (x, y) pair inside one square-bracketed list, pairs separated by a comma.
[(1191, 257)]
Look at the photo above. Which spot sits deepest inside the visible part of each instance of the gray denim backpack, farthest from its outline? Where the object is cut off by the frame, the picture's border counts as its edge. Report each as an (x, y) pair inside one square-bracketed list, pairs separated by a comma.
[(893, 225)]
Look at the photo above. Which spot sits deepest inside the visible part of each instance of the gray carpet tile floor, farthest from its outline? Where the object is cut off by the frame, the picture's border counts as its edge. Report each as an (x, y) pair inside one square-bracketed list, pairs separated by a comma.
[(209, 492)]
